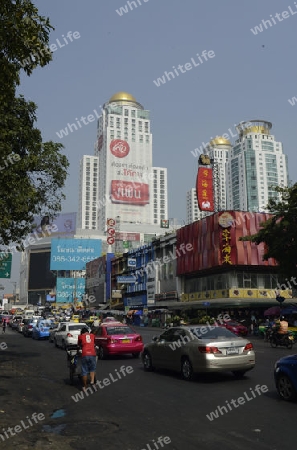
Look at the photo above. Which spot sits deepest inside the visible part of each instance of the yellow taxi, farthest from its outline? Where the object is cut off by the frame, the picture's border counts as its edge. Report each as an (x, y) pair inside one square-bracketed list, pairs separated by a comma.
[(75, 318)]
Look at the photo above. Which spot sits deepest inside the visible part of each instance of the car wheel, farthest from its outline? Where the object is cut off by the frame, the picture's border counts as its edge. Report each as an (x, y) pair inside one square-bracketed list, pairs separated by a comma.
[(136, 355), (285, 388), (239, 373), (147, 362), (101, 354), (186, 369), (64, 345), (55, 342)]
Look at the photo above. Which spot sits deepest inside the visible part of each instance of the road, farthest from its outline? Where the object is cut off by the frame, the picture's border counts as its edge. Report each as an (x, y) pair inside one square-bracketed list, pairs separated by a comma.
[(133, 410)]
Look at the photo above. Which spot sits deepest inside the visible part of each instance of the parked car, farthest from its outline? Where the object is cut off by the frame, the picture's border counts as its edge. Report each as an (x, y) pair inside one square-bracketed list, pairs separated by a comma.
[(28, 327), (236, 328), (68, 334), (198, 349), (42, 329), (53, 331), (285, 377), (115, 338)]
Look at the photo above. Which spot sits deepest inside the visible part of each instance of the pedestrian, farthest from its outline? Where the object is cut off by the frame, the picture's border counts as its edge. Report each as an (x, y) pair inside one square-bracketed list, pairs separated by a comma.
[(86, 342), (3, 326)]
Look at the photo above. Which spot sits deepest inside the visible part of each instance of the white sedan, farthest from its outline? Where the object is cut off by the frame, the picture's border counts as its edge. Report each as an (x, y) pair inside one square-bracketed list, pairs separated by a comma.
[(54, 330), (68, 334)]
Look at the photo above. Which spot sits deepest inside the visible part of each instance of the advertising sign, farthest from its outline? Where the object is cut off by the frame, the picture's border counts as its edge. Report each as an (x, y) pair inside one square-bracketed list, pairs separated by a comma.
[(69, 289), (131, 262), (127, 279), (73, 254), (128, 173), (63, 225), (128, 236), (204, 189)]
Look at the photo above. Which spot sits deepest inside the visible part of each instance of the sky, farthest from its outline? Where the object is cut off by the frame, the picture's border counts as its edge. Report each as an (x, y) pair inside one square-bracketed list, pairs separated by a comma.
[(250, 76)]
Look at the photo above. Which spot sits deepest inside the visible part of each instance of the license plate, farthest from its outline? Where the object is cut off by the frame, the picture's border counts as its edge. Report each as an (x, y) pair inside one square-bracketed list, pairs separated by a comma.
[(232, 351), (126, 341)]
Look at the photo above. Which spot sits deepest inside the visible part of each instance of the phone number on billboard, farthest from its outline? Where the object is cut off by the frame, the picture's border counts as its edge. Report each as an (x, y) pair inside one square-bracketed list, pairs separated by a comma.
[(72, 258)]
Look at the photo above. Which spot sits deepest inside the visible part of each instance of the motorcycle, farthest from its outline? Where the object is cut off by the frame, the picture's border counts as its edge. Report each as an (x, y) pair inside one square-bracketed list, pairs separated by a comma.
[(285, 340)]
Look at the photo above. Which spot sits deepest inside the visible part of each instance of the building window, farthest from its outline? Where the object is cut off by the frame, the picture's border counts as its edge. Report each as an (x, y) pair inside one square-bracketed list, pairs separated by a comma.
[(126, 112)]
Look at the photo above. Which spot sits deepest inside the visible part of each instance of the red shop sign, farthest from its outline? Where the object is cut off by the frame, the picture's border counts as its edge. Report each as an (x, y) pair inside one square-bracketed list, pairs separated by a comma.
[(129, 192)]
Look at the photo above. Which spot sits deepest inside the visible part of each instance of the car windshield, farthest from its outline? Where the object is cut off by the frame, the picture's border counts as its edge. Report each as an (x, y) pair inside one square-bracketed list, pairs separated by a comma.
[(212, 333), (119, 330), (76, 327)]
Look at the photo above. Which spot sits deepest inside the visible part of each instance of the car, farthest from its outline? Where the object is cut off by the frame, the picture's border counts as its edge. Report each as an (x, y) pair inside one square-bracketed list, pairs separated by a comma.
[(285, 377), (115, 338), (42, 329), (28, 327), (199, 349), (22, 324), (7, 318), (236, 328), (15, 322), (53, 331), (68, 334)]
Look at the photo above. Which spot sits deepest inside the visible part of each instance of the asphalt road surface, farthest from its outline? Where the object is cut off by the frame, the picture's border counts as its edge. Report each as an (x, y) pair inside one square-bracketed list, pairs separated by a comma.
[(136, 410)]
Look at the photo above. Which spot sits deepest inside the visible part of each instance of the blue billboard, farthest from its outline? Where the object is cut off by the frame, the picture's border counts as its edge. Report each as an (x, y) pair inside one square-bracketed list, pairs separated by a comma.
[(73, 254), (68, 289)]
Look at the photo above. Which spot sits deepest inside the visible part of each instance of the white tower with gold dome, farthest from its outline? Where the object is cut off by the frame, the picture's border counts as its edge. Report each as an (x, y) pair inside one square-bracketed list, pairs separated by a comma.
[(256, 166), (129, 187)]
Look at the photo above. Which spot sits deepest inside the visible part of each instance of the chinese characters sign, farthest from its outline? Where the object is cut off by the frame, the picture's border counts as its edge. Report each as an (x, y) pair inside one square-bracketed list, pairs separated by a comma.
[(204, 189), (226, 247)]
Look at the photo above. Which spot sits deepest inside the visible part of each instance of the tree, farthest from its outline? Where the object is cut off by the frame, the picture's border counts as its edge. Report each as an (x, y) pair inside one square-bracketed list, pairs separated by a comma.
[(279, 233), (32, 172)]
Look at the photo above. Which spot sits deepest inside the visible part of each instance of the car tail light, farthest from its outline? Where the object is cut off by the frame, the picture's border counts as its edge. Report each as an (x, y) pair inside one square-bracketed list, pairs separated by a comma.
[(138, 339), (207, 349), (248, 347), (30, 327), (112, 341), (69, 335)]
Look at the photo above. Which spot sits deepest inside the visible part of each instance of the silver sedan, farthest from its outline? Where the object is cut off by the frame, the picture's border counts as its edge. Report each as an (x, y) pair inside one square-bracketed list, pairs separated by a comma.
[(199, 349)]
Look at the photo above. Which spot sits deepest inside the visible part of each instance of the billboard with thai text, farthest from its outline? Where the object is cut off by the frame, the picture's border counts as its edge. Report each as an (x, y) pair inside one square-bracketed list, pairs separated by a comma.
[(74, 254), (70, 289)]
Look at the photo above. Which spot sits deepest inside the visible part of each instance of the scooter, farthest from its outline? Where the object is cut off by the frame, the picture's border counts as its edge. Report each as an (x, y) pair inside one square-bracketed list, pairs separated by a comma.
[(285, 340)]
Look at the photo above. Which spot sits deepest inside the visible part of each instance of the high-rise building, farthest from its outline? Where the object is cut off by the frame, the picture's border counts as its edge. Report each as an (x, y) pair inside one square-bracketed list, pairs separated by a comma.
[(160, 204), (256, 165), (130, 188), (218, 151), (88, 193)]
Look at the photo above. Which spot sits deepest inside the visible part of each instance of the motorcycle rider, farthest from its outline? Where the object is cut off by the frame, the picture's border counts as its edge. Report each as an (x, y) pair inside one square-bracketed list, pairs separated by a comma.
[(282, 329)]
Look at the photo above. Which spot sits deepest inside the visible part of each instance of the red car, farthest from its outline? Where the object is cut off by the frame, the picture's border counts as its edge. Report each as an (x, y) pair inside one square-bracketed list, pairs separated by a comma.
[(115, 338), (236, 328)]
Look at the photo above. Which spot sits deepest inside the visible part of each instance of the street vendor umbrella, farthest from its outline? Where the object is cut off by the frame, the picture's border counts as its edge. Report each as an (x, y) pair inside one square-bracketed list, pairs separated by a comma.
[(291, 309), (273, 311)]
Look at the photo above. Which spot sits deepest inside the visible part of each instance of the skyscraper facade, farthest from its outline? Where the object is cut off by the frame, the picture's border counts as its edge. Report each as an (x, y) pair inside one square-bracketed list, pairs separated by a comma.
[(88, 193), (129, 187), (256, 165)]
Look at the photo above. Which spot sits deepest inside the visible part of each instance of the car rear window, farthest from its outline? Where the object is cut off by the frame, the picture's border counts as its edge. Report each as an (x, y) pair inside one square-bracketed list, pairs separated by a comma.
[(119, 330), (76, 327), (209, 333)]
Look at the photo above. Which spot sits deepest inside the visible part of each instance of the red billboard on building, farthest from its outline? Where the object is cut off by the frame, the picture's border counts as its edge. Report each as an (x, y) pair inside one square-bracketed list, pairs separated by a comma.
[(204, 189), (215, 241)]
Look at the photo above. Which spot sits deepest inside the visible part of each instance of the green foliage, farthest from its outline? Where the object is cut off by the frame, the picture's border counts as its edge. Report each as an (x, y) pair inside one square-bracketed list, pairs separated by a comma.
[(33, 172), (279, 232)]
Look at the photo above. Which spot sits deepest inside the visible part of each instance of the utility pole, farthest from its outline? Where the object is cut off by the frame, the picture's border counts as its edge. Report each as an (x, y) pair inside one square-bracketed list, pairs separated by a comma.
[(14, 283)]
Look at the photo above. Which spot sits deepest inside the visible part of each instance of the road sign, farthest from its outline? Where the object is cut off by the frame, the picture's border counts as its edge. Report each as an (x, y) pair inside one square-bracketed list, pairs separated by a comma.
[(110, 240), (111, 231), (111, 222), (5, 265)]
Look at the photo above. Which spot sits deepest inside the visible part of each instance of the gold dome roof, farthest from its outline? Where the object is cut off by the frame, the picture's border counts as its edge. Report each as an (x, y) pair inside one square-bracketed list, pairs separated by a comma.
[(122, 96), (219, 140)]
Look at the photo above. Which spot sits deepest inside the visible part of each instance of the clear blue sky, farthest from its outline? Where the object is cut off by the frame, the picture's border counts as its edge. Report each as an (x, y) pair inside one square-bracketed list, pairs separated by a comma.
[(243, 81)]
